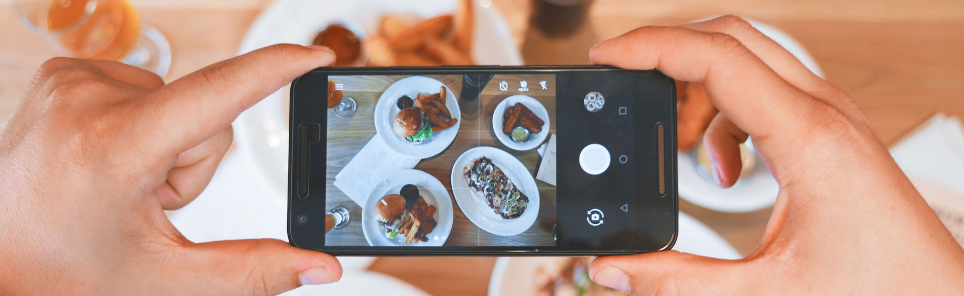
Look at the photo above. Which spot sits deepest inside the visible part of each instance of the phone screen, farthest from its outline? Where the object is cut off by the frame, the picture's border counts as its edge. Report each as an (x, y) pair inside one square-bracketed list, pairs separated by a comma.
[(481, 160)]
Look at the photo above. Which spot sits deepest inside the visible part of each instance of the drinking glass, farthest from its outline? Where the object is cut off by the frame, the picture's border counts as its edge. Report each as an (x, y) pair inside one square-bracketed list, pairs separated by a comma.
[(97, 29)]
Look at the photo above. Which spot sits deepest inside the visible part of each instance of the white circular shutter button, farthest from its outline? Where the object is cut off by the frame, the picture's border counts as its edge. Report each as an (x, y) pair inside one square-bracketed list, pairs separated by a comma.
[(594, 159)]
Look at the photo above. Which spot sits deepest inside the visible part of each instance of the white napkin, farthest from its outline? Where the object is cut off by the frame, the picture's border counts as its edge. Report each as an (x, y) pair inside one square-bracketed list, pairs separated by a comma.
[(932, 156), (370, 165)]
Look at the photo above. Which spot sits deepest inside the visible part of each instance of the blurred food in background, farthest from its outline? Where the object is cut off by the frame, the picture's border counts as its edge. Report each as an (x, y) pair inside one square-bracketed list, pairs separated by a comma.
[(440, 40), (569, 276)]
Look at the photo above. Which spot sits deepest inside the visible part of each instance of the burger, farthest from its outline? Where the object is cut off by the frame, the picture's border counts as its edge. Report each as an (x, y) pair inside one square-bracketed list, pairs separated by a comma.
[(388, 213), (411, 125)]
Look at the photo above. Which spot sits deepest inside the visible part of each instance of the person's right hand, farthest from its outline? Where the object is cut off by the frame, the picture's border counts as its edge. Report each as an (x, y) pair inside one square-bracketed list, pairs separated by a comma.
[(846, 221)]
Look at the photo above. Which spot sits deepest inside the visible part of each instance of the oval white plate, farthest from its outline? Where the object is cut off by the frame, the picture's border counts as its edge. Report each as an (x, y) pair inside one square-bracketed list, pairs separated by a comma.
[(536, 107), (758, 189), (429, 188), (386, 109), (516, 275), (263, 129), (477, 210)]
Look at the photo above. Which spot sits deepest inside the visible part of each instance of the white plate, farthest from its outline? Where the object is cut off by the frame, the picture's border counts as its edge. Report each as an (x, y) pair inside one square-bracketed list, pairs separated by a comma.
[(536, 107), (515, 275), (758, 189), (429, 188), (477, 210), (386, 109), (263, 127)]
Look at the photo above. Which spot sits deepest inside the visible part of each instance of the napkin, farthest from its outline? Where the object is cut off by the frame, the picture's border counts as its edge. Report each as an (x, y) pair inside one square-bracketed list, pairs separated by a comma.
[(370, 165), (932, 156)]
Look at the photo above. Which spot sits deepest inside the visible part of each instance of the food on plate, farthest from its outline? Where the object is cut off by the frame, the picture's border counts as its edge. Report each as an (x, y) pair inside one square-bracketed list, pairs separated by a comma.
[(388, 213), (489, 183), (440, 40), (519, 115), (520, 134), (694, 114), (410, 125), (413, 220), (334, 95), (427, 115), (405, 102), (410, 193), (419, 222), (343, 42), (569, 276)]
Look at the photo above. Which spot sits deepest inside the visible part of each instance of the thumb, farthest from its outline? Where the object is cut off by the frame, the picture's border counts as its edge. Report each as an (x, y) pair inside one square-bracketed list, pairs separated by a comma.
[(256, 267), (669, 273)]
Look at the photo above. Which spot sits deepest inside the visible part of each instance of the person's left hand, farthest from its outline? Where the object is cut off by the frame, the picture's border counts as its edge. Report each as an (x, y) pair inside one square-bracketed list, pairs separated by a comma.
[(97, 150)]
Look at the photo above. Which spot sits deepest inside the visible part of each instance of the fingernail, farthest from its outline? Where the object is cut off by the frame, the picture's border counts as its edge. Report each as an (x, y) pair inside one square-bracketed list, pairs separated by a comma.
[(716, 176), (612, 277), (316, 276)]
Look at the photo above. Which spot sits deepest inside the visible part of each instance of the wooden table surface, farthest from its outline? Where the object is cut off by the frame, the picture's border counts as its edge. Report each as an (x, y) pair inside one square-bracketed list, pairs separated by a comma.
[(902, 60), (347, 136)]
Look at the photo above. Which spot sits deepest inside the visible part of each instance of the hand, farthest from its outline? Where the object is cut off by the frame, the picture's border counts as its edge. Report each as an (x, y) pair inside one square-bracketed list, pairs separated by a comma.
[(846, 221), (97, 150)]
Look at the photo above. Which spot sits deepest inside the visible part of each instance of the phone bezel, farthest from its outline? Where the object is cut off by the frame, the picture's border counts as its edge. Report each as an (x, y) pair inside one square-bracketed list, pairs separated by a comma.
[(302, 237)]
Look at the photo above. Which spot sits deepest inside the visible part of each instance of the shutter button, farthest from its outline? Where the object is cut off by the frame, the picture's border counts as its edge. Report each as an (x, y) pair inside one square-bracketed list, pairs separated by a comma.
[(594, 159)]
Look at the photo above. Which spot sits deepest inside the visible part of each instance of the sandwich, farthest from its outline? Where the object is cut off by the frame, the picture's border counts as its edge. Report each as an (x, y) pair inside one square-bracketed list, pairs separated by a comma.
[(389, 213), (410, 124)]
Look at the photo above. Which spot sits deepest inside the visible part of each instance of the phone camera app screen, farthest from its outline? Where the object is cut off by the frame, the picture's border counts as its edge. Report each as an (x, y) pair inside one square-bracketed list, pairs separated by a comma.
[(442, 160)]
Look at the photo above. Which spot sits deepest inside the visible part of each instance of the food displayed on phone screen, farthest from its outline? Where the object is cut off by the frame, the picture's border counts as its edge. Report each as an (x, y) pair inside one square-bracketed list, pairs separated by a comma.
[(419, 118), (406, 216), (518, 121), (565, 276), (492, 185)]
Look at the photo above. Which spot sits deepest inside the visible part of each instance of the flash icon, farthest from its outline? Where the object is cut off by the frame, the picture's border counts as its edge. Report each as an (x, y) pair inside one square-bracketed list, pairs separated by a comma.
[(543, 85)]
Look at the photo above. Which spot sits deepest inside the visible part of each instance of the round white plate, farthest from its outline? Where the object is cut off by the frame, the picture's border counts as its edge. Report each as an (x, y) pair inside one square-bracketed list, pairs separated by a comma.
[(477, 210), (359, 283), (386, 109), (263, 128), (756, 190), (429, 188), (516, 275), (536, 107)]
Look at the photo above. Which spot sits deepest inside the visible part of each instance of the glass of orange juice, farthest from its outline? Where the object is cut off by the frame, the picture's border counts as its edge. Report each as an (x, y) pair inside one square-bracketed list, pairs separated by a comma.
[(97, 29)]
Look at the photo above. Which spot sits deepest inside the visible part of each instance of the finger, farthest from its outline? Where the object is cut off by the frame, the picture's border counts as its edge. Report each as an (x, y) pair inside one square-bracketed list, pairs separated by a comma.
[(778, 59), (115, 70), (670, 273), (722, 142), (739, 83), (254, 267), (772, 53), (193, 170), (192, 109)]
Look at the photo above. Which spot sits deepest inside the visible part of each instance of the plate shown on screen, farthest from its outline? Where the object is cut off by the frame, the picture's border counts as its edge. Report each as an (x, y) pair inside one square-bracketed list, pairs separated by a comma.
[(385, 110), (262, 131), (536, 107), (429, 188), (477, 209)]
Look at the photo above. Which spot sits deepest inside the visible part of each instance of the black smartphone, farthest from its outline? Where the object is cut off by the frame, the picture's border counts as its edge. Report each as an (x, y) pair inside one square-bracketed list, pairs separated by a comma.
[(484, 160)]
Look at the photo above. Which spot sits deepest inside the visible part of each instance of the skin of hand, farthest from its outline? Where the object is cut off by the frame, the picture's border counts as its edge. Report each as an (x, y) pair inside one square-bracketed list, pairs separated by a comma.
[(94, 153), (846, 220)]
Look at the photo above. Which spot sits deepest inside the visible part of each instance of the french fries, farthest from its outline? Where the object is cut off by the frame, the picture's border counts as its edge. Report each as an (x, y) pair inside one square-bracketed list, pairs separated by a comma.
[(441, 40)]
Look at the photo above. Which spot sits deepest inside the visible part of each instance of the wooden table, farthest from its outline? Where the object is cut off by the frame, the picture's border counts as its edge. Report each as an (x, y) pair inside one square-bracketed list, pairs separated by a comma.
[(347, 136), (902, 60)]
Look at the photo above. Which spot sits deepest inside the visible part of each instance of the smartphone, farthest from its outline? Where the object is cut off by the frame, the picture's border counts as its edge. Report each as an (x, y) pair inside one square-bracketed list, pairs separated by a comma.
[(484, 160)]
